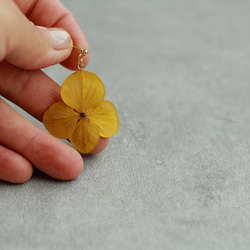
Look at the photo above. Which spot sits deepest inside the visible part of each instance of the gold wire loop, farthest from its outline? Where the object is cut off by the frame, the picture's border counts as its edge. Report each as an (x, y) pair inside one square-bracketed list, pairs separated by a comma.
[(83, 52)]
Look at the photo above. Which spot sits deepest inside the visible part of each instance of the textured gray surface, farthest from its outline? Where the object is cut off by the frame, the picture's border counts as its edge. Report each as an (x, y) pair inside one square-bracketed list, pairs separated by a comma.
[(176, 176)]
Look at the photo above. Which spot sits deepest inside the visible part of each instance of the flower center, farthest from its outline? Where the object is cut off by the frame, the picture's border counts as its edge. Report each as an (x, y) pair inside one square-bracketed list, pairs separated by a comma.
[(82, 115)]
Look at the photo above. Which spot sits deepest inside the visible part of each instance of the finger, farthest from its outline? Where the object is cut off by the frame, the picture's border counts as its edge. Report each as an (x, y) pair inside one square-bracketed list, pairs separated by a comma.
[(13, 167), (17, 84), (28, 46), (54, 14), (33, 91), (42, 150), (102, 144)]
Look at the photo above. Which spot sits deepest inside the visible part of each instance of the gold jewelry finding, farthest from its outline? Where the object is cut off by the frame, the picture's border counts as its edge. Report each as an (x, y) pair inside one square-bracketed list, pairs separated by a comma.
[(83, 52)]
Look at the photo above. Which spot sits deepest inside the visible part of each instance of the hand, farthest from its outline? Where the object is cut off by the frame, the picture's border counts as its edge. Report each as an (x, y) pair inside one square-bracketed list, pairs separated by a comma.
[(24, 49)]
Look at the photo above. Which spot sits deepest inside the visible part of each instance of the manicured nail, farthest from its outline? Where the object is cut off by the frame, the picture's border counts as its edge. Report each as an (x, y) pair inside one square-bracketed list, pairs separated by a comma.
[(59, 38)]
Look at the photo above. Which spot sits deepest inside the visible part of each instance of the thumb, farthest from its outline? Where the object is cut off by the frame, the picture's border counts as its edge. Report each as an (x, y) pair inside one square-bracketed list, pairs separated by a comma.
[(28, 46)]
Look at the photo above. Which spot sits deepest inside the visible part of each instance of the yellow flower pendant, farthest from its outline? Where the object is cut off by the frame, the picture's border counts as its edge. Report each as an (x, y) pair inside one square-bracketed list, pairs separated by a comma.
[(84, 115)]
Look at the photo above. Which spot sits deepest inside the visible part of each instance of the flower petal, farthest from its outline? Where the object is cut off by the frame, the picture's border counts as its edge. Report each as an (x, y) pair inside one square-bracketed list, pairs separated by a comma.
[(85, 136), (105, 118), (82, 90), (60, 120)]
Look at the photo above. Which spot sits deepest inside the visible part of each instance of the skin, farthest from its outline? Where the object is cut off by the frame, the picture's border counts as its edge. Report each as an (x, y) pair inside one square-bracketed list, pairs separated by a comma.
[(24, 50)]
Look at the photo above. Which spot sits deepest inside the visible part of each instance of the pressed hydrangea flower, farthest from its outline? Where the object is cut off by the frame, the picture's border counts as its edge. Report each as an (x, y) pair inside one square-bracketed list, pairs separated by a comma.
[(83, 116)]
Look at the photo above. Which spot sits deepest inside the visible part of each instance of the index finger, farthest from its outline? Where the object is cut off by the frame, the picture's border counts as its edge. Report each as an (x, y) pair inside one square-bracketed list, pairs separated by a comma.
[(55, 14)]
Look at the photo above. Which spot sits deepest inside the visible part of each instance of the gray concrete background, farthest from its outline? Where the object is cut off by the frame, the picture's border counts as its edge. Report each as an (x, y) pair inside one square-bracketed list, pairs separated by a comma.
[(176, 176)]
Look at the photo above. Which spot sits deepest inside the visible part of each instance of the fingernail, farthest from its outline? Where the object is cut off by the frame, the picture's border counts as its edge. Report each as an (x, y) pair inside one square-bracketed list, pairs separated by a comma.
[(59, 38)]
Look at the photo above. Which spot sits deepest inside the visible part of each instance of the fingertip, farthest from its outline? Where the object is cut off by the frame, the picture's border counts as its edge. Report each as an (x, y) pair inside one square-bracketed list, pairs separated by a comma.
[(54, 157), (102, 144), (68, 164), (37, 47), (73, 166), (23, 173), (57, 44), (13, 167), (71, 62), (69, 23)]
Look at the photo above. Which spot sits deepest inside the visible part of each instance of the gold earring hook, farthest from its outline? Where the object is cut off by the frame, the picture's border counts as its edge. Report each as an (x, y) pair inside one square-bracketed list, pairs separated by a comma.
[(83, 53)]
